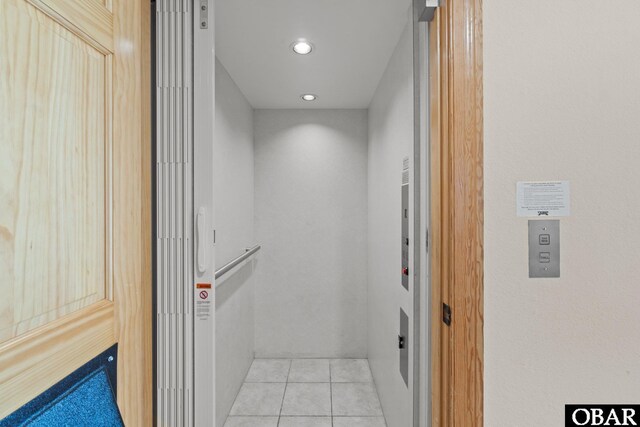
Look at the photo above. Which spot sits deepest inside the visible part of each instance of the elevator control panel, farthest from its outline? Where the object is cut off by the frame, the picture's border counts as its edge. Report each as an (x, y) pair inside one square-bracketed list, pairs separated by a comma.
[(544, 248), (405, 225)]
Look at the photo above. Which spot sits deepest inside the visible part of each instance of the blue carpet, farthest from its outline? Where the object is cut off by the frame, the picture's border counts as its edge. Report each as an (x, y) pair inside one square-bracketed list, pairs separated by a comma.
[(84, 398)]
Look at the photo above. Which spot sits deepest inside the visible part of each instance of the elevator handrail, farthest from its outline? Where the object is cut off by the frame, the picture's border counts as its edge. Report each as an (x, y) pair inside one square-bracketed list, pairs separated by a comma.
[(228, 266)]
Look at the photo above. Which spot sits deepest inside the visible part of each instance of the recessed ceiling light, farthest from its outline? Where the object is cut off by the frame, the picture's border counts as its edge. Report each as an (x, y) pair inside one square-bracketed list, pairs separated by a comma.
[(302, 47), (309, 97)]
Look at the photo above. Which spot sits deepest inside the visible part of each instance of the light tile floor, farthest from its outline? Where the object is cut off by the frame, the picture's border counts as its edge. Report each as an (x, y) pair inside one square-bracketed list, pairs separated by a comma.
[(307, 393)]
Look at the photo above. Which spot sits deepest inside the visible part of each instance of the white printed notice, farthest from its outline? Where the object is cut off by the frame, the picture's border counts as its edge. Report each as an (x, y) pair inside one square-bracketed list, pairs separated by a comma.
[(544, 198)]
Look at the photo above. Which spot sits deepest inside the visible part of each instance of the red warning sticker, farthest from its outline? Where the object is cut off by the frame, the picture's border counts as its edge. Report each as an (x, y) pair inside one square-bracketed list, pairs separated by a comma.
[(204, 294)]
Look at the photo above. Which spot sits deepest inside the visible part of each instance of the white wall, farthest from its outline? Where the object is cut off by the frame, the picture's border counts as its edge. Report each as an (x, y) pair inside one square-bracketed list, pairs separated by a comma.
[(311, 216), (233, 197), (562, 101), (390, 141)]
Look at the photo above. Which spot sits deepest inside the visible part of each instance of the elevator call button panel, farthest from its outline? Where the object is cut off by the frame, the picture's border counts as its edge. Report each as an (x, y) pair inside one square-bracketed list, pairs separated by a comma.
[(544, 248)]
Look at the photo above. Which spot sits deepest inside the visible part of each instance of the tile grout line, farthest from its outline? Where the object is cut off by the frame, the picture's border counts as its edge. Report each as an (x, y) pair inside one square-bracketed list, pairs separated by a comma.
[(238, 394), (285, 391), (375, 387), (331, 392)]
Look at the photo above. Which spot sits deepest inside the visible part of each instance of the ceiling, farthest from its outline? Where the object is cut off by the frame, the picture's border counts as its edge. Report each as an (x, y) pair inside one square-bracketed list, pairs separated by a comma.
[(353, 41)]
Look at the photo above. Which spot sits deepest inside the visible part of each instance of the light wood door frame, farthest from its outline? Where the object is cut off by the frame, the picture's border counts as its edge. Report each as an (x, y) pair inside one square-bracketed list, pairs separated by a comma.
[(132, 239), (31, 362), (455, 60)]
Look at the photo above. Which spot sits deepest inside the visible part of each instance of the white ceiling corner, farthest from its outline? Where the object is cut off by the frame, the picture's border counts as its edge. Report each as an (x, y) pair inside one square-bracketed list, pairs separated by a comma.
[(353, 41)]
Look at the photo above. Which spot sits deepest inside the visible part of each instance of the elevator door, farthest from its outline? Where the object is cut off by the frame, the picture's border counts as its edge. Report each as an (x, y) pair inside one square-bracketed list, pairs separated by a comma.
[(184, 237)]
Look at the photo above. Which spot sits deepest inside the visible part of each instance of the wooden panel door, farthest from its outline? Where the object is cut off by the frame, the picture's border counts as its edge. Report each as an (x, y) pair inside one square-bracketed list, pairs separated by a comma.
[(74, 196)]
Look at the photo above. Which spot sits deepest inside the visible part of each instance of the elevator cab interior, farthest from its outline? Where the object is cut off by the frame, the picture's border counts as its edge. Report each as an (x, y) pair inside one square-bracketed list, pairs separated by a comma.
[(314, 172)]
